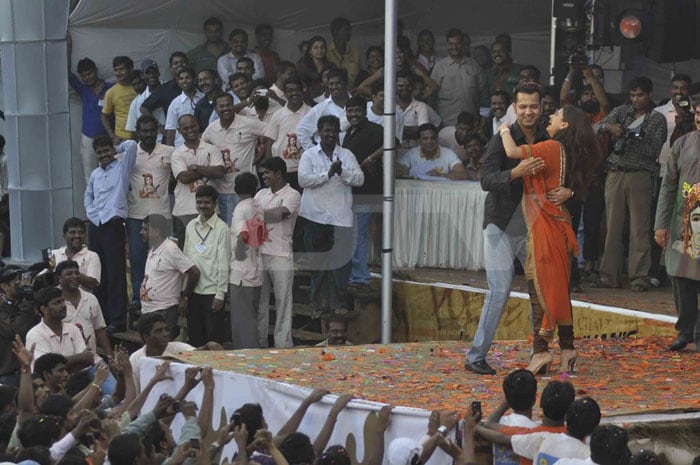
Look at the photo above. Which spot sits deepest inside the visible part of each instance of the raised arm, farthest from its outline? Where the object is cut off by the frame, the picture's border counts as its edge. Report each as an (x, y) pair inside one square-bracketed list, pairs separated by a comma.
[(509, 145), (161, 374), (205, 413), (325, 434), (295, 420), (375, 454), (25, 396)]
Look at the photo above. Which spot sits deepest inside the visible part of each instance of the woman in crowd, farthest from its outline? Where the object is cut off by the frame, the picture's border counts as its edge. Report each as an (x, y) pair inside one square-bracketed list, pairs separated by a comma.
[(570, 156), (375, 61), (312, 64), (404, 61)]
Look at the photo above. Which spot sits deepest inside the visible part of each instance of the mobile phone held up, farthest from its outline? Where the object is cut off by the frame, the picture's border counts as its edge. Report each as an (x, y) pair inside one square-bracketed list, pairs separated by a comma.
[(476, 408)]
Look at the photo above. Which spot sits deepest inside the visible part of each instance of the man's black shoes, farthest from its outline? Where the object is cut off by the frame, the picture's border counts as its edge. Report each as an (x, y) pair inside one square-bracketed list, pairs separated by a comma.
[(480, 367), (679, 344)]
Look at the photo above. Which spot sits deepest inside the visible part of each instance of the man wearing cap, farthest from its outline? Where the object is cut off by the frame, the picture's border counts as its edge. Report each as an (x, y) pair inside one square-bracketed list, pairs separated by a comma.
[(151, 76)]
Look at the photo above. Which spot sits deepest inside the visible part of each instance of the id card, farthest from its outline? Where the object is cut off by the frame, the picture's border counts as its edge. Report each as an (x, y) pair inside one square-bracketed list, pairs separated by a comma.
[(200, 248)]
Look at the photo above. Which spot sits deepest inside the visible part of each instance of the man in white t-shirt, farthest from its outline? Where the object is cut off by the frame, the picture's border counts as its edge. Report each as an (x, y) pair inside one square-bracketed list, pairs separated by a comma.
[(148, 193), (153, 329), (545, 448), (608, 447), (282, 129), (429, 159), (82, 308), (76, 250), (166, 266), (183, 104), (415, 113), (236, 138), (245, 275), (280, 204), (195, 163), (52, 335)]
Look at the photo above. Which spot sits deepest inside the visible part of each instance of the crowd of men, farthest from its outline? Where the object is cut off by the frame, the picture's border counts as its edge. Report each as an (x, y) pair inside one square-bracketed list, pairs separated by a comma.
[(213, 187)]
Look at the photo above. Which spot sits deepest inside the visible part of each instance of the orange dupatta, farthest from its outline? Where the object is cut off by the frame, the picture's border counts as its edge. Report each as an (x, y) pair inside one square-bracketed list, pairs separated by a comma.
[(551, 240)]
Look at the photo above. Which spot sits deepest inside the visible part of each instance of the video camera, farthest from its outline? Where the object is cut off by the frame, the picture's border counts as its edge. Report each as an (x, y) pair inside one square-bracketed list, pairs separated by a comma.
[(33, 277), (628, 135), (579, 58)]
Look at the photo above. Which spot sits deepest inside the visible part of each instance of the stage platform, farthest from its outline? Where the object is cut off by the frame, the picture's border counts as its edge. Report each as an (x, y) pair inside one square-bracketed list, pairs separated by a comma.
[(626, 376)]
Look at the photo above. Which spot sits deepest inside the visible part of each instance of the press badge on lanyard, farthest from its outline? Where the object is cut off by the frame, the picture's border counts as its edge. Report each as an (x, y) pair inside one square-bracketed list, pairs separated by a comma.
[(200, 248)]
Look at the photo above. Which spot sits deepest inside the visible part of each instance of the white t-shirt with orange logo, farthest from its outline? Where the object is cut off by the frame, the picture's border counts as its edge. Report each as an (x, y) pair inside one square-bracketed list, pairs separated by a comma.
[(283, 130), (162, 279), (206, 155)]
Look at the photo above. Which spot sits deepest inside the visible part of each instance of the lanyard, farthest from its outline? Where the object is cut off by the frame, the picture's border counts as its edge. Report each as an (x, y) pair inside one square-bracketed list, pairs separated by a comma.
[(203, 239)]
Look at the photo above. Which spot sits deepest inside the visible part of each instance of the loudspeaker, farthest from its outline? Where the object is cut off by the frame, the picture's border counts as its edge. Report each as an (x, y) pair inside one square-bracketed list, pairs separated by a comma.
[(674, 31)]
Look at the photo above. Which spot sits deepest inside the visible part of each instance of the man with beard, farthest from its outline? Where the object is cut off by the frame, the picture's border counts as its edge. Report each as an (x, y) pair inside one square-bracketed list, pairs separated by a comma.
[(148, 193), (337, 332), (145, 85), (194, 164), (236, 137), (280, 204), (184, 104), (639, 133), (365, 140), (52, 335), (505, 231), (209, 84), (327, 172), (82, 308), (334, 105), (282, 129), (164, 94), (91, 90), (204, 56), (498, 103), (106, 208), (76, 250)]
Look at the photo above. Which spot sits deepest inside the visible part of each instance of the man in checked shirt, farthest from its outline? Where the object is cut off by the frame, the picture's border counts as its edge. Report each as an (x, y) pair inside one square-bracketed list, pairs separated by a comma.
[(639, 132)]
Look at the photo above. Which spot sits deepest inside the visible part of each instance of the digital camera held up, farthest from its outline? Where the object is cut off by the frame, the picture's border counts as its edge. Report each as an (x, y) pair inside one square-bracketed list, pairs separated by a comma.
[(629, 135)]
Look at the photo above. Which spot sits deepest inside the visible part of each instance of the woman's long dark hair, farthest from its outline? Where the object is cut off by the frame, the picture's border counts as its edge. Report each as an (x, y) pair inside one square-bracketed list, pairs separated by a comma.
[(583, 151)]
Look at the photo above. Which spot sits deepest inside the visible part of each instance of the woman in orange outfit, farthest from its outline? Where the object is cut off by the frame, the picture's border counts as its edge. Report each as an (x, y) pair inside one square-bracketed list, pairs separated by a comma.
[(571, 156)]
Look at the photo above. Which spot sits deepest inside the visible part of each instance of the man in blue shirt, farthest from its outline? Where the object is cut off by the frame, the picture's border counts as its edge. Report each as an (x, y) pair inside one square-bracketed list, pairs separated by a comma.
[(91, 90), (106, 208)]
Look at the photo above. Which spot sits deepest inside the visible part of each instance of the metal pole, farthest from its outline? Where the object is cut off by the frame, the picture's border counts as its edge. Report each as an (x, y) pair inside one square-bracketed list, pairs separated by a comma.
[(389, 155), (552, 47)]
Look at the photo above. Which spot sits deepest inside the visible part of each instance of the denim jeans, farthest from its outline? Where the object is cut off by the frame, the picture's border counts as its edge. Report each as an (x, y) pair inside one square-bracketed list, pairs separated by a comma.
[(500, 250), (227, 202), (360, 273), (138, 250)]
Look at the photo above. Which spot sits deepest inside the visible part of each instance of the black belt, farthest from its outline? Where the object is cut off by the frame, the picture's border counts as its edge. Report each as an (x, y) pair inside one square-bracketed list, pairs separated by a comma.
[(623, 169)]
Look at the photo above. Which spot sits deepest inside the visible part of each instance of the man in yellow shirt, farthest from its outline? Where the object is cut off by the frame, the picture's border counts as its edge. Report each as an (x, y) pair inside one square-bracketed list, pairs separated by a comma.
[(118, 100), (341, 53)]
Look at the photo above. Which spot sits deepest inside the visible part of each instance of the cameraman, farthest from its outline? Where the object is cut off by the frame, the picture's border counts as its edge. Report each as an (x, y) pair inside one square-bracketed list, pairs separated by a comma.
[(639, 132), (16, 317)]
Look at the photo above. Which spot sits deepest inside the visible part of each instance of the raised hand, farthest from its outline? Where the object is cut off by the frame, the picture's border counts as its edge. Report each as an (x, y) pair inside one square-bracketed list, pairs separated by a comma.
[(24, 356)]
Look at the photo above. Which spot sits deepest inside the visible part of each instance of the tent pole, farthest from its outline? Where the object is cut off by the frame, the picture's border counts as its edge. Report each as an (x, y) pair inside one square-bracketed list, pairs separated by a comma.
[(552, 46), (388, 160)]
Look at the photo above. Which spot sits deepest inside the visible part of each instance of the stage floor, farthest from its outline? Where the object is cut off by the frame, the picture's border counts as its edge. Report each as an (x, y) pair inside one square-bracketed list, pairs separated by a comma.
[(626, 376)]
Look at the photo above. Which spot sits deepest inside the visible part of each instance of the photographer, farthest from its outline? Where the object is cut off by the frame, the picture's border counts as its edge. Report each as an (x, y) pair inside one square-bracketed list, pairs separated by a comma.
[(17, 316), (638, 132)]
